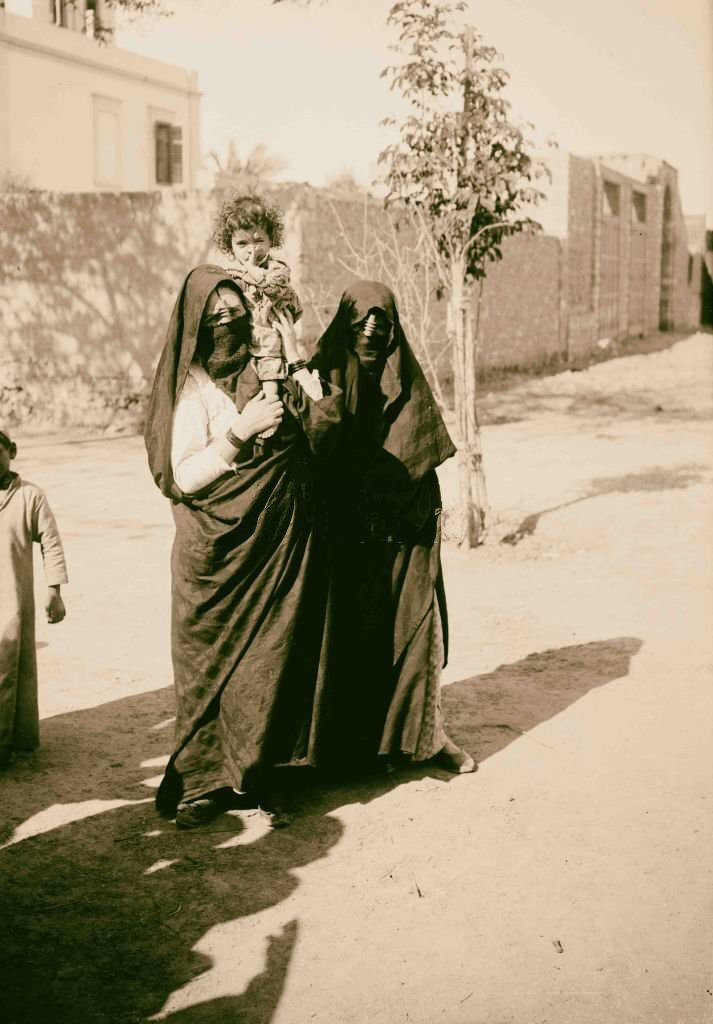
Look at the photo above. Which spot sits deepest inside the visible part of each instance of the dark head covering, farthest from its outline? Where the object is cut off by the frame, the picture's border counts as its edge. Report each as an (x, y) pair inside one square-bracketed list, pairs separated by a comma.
[(413, 430), (185, 338), (5, 439)]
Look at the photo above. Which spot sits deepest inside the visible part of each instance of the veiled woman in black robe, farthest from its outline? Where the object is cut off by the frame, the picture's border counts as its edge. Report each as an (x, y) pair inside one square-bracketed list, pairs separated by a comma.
[(380, 693), (248, 596)]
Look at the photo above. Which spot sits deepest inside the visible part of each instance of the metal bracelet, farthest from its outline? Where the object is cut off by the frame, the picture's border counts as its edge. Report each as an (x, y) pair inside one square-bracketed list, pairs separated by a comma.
[(231, 438), (299, 364)]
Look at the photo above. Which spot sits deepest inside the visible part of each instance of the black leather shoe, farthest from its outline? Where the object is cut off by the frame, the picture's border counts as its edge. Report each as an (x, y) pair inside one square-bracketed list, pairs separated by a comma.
[(194, 813)]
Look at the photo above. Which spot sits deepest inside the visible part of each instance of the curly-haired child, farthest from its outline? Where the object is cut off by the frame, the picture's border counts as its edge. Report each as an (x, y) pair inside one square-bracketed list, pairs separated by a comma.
[(248, 229)]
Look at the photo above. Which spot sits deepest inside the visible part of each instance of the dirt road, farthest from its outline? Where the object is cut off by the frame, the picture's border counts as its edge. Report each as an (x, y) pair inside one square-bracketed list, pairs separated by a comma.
[(567, 882)]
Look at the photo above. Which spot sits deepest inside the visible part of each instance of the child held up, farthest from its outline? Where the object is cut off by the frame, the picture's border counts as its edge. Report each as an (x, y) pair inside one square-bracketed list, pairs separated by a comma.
[(249, 230)]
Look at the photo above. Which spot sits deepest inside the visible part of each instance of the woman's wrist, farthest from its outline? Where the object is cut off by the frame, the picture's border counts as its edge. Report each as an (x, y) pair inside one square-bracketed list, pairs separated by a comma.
[(233, 437), (237, 433)]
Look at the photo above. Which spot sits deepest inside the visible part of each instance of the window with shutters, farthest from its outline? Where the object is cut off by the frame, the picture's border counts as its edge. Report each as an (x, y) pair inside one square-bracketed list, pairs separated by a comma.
[(168, 143), (176, 155)]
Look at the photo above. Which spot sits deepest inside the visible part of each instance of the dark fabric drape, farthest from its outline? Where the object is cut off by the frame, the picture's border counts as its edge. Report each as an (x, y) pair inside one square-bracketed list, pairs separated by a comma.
[(409, 422), (248, 596), (382, 502)]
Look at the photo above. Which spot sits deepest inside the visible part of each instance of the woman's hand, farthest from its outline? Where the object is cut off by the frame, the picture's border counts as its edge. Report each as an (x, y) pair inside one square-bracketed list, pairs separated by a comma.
[(292, 348), (260, 413), (54, 605)]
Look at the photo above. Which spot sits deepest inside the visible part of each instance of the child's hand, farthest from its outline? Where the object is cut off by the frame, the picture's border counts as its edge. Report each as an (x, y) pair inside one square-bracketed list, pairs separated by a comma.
[(290, 345), (252, 272), (54, 605), (260, 413), (277, 277)]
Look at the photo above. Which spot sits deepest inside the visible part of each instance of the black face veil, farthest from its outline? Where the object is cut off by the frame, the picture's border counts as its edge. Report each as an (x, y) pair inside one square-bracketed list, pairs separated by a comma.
[(414, 431)]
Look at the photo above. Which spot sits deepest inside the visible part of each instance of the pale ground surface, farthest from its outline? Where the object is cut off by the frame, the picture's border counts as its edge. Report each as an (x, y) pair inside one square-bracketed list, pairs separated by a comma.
[(567, 882)]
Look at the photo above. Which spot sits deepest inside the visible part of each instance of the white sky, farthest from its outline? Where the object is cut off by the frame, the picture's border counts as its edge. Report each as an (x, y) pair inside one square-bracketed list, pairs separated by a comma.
[(604, 76)]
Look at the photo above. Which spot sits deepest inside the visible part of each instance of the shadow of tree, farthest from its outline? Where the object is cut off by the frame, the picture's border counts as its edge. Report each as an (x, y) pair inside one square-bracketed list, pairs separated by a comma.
[(89, 280), (88, 284), (257, 1005), (91, 934), (647, 480)]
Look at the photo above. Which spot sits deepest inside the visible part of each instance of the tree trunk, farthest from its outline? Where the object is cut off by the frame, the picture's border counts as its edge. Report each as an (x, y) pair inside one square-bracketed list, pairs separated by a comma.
[(479, 492), (472, 495)]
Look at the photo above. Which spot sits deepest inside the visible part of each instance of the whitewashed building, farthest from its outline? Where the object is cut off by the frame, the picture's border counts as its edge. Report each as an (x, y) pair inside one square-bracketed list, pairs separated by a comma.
[(78, 114)]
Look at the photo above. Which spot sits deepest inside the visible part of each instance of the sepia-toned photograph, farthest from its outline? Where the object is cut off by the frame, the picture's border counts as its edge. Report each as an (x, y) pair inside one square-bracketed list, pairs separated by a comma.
[(356, 512)]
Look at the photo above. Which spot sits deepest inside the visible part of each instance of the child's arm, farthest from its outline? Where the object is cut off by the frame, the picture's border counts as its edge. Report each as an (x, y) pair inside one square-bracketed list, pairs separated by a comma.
[(46, 534), (278, 287), (295, 355)]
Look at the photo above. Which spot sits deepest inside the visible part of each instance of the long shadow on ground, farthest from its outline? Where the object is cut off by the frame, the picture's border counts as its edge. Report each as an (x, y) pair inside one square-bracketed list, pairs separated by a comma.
[(645, 481), (89, 936), (489, 711)]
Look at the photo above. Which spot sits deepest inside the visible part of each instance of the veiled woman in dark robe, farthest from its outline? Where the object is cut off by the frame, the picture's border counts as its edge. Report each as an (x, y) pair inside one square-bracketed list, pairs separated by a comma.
[(388, 621), (248, 596)]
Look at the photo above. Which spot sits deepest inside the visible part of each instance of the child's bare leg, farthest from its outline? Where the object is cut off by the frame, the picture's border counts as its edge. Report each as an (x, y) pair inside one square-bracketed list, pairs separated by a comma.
[(271, 390)]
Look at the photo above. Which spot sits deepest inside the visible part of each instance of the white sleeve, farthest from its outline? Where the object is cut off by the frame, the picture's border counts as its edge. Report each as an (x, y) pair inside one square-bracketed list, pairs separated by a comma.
[(44, 530), (195, 463), (310, 383)]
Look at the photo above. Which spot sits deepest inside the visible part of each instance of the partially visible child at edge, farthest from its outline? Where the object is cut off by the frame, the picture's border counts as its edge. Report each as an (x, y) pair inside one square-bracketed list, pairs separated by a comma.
[(249, 230), (25, 517)]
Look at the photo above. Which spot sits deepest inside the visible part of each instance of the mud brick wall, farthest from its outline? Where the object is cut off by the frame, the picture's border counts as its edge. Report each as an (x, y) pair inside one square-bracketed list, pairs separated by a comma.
[(335, 240), (520, 309), (88, 282), (580, 235), (681, 313)]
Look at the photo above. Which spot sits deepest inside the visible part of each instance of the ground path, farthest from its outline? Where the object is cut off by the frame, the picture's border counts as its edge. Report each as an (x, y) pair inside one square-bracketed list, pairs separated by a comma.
[(567, 882)]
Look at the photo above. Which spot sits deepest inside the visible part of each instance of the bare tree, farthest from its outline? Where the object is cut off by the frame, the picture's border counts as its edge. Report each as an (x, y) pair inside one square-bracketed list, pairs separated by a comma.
[(396, 250)]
